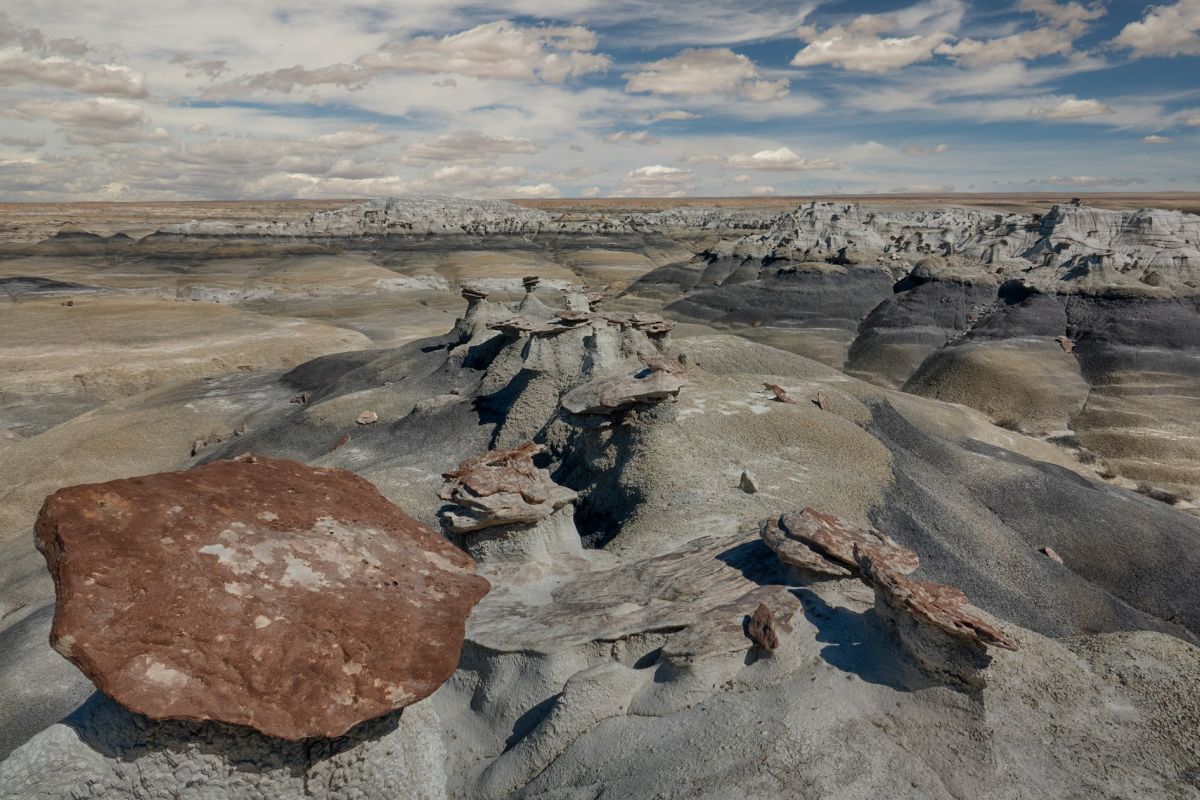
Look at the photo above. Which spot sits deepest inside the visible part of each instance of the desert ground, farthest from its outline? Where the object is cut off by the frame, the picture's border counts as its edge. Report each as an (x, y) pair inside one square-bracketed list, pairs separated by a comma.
[(696, 409)]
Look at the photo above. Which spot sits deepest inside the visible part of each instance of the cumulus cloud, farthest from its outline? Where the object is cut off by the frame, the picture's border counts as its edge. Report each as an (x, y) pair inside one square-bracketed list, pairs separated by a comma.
[(656, 180), (95, 121), (716, 71), (859, 47), (781, 160), (1026, 45), (212, 68), (348, 76), (460, 175), (467, 146), (1071, 108), (637, 137), (762, 191), (499, 49), (1166, 30), (17, 66), (917, 150), (679, 116), (541, 190)]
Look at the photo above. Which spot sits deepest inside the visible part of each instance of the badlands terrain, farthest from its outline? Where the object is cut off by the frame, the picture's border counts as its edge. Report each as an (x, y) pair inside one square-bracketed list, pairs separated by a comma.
[(438, 498)]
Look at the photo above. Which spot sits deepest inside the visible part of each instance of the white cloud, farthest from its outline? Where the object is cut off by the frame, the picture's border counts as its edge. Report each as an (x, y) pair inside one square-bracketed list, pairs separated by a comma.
[(96, 121), (656, 180), (1166, 30), (717, 71), (67, 73), (858, 47), (741, 179), (1065, 13), (458, 176), (357, 139), (1071, 108), (1155, 138), (535, 190), (637, 137), (467, 146), (1026, 45), (500, 49), (1090, 180), (199, 127), (762, 191), (780, 160), (674, 115), (917, 150)]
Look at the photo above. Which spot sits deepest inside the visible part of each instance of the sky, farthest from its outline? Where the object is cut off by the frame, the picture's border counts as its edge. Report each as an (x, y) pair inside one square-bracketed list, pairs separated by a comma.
[(179, 99)]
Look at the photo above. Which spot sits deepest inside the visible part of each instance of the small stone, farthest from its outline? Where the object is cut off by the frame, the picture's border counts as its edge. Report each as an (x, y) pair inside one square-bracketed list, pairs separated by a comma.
[(299, 399), (342, 440), (1066, 343), (367, 418), (1049, 553), (821, 401), (780, 393), (748, 483), (761, 628)]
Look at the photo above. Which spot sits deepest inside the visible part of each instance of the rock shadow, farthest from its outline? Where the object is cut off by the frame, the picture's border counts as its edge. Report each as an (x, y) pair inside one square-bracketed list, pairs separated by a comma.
[(117, 733), (860, 643)]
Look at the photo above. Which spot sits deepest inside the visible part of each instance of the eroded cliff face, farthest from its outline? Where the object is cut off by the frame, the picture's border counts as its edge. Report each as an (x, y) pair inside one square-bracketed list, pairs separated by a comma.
[(1077, 324)]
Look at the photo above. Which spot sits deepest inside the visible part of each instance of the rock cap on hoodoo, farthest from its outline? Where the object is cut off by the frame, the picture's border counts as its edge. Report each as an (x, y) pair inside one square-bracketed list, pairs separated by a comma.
[(295, 600)]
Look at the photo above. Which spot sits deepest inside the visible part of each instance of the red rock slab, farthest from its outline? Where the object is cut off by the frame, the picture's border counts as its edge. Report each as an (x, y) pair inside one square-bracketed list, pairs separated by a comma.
[(932, 604), (261, 592), (835, 539), (797, 554), (501, 487)]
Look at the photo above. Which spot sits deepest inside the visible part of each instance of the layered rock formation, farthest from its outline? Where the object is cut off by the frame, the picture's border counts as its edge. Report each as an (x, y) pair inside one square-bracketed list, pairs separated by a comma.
[(261, 592), (501, 487)]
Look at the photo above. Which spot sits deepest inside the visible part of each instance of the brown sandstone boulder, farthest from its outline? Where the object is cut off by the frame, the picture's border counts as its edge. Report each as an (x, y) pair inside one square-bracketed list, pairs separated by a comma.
[(501, 487), (256, 591)]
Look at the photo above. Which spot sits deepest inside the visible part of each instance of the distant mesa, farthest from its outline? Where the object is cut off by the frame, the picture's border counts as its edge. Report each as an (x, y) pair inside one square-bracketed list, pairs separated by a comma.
[(261, 592)]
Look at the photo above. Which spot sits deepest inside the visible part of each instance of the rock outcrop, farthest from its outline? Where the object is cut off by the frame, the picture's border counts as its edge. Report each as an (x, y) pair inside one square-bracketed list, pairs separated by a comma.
[(255, 591), (619, 392), (501, 487), (826, 545), (935, 622)]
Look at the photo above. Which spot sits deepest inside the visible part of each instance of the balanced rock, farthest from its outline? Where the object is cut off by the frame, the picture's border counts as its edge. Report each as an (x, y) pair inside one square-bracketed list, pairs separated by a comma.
[(618, 392), (825, 544), (935, 622), (501, 487), (261, 592)]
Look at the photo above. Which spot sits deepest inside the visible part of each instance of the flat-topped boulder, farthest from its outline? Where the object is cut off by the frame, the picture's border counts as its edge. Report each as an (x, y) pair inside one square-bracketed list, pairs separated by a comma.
[(619, 392), (826, 545), (262, 592), (501, 487)]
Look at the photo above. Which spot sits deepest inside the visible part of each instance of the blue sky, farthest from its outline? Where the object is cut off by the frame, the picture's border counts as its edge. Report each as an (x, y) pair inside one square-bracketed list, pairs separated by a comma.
[(172, 99)]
